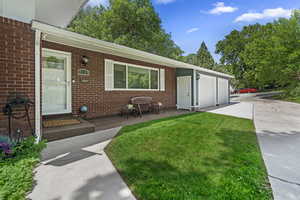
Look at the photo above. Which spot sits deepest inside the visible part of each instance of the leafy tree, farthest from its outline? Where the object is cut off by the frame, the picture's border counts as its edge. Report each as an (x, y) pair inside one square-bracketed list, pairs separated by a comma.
[(204, 57), (89, 22), (191, 59), (275, 56), (264, 55), (133, 23), (231, 49)]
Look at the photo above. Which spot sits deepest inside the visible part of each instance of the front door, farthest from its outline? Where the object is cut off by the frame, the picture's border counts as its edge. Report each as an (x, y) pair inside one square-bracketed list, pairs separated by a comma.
[(184, 92), (56, 82)]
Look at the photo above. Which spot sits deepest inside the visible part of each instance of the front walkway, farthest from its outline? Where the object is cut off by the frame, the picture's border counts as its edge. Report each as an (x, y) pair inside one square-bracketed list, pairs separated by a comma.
[(235, 109), (77, 168)]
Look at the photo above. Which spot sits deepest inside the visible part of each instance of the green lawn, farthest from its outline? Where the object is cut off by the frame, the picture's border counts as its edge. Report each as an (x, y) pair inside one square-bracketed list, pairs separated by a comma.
[(290, 99), (191, 157)]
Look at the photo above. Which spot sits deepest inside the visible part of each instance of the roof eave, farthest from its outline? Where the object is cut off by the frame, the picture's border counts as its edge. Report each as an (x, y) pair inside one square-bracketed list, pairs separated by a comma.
[(115, 49)]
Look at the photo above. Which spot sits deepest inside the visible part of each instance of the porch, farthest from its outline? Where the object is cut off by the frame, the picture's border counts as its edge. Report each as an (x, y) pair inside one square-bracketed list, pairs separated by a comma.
[(104, 123)]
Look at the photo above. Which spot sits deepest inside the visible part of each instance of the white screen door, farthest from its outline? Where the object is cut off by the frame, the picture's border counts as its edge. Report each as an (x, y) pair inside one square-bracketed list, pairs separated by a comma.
[(184, 92), (56, 82)]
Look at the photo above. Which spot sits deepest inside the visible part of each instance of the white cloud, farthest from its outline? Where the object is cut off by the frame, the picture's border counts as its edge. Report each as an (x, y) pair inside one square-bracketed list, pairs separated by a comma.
[(192, 30), (266, 14), (220, 8), (164, 1)]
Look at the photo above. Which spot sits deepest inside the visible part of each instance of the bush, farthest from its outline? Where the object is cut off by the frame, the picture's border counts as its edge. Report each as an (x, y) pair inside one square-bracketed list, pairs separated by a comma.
[(16, 173), (294, 91)]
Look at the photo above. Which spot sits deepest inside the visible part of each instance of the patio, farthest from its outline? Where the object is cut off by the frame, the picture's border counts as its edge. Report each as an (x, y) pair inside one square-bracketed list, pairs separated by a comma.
[(103, 123)]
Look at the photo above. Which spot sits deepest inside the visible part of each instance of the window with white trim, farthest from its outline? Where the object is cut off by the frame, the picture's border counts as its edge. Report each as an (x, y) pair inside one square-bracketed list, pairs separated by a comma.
[(133, 77)]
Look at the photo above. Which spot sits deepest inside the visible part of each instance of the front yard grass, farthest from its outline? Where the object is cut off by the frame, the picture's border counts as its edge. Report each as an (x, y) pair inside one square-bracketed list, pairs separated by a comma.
[(200, 156)]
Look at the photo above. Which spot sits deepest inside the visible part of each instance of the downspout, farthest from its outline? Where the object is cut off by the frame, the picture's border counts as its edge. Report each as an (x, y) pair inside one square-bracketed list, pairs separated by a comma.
[(217, 91), (229, 92), (37, 95), (194, 89)]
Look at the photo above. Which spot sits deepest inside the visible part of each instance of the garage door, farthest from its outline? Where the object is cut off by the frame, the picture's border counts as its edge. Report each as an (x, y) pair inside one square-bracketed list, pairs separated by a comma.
[(222, 91), (207, 91)]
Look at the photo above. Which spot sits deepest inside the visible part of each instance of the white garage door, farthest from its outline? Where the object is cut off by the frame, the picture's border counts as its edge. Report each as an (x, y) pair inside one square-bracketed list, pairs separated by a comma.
[(207, 91), (222, 91)]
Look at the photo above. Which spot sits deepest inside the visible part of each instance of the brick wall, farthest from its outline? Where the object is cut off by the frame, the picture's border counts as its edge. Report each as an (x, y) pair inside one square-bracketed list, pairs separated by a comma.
[(92, 93), (16, 62)]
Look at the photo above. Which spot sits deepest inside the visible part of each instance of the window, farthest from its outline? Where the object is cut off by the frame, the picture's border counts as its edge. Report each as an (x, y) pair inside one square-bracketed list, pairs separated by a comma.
[(132, 77), (138, 78), (119, 76), (154, 79)]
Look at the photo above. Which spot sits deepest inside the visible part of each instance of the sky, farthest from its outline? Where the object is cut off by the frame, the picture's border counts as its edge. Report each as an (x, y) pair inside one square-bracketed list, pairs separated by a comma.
[(192, 21)]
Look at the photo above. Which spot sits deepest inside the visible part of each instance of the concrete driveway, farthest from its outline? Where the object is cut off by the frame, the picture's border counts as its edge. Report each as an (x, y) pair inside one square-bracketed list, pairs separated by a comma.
[(278, 129)]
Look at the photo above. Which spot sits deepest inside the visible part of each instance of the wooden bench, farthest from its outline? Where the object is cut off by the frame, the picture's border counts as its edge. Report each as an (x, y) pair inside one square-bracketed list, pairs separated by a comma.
[(145, 104)]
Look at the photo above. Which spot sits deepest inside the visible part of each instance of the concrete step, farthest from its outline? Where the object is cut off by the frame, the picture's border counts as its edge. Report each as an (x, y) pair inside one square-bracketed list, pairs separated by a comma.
[(58, 133)]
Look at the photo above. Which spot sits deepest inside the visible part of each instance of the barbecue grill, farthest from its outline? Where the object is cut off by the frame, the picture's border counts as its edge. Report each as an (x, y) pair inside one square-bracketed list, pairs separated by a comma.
[(17, 107)]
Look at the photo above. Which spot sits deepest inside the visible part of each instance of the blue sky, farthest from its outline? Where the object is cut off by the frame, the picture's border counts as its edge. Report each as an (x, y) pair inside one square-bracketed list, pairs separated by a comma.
[(192, 21)]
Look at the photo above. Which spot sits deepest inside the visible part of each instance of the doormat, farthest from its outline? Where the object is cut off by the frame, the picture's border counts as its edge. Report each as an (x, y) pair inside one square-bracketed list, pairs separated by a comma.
[(59, 122)]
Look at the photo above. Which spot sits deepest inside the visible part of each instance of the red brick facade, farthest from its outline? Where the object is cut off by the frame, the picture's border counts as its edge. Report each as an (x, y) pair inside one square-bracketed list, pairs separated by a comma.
[(91, 91), (16, 61)]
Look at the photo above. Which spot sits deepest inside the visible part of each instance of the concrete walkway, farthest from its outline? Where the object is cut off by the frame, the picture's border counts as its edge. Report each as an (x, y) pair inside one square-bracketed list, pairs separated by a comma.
[(235, 109), (78, 169), (278, 129)]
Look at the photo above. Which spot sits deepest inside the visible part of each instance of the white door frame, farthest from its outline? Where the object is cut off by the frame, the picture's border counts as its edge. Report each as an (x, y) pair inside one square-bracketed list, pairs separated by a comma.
[(68, 56), (189, 92)]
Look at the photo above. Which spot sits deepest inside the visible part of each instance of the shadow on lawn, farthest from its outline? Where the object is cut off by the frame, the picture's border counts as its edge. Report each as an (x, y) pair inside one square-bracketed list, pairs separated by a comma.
[(236, 172)]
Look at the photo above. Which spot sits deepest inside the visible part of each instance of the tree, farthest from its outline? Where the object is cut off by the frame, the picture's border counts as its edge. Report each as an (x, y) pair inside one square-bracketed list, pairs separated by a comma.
[(204, 57), (231, 49), (133, 23), (264, 55), (191, 59), (276, 55)]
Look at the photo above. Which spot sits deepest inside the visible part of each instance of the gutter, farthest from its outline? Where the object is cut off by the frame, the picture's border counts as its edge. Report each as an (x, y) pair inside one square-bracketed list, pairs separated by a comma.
[(118, 49)]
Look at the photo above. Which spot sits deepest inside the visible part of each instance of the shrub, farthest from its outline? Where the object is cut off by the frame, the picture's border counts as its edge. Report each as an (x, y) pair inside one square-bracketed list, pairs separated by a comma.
[(16, 173)]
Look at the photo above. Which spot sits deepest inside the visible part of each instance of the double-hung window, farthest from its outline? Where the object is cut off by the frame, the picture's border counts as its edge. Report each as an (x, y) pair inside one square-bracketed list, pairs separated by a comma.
[(134, 77)]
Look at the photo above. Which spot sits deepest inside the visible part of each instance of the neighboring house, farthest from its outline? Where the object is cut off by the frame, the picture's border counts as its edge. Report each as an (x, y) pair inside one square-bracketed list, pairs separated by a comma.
[(42, 59)]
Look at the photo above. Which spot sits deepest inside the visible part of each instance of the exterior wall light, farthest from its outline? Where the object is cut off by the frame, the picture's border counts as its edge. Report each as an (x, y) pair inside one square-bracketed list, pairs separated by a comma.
[(84, 60)]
